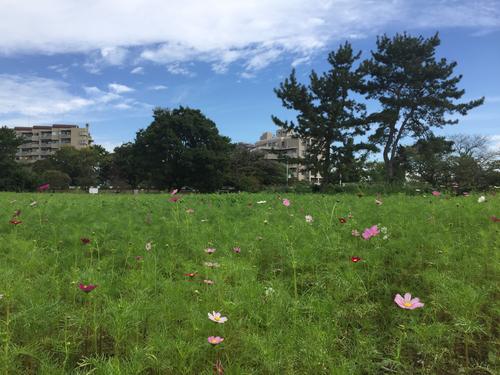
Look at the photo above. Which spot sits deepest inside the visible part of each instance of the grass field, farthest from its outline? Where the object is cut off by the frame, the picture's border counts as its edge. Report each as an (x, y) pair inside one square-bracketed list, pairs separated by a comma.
[(296, 303)]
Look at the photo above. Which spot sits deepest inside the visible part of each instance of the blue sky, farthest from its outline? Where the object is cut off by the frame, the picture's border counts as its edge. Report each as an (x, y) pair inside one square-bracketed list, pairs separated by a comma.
[(109, 63)]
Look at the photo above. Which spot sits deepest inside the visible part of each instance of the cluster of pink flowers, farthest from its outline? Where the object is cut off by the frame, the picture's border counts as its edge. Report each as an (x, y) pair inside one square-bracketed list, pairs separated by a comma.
[(370, 232)]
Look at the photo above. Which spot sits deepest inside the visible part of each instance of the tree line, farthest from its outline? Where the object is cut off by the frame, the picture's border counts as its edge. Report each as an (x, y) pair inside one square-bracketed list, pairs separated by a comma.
[(412, 93)]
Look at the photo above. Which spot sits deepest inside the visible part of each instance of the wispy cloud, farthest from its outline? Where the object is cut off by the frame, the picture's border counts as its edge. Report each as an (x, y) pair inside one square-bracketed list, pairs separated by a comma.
[(157, 87), (219, 32), (119, 88), (137, 70)]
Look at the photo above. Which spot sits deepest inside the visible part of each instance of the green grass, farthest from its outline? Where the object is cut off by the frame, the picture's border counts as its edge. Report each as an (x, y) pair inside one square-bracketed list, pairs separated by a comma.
[(296, 303)]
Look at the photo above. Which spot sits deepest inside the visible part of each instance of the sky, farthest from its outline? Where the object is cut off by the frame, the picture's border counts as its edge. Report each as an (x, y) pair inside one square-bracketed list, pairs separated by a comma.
[(109, 63)]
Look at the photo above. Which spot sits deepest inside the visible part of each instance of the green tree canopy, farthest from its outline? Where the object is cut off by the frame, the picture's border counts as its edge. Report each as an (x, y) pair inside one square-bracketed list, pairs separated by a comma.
[(182, 147)]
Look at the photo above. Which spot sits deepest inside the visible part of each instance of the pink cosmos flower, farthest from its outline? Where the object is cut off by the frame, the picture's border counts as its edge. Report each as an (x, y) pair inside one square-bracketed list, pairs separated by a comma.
[(210, 250), (436, 193), (209, 282), (217, 317), (215, 340), (173, 192), (370, 232), (236, 250), (43, 187), (286, 202), (355, 233), (87, 288), (407, 302), (309, 219)]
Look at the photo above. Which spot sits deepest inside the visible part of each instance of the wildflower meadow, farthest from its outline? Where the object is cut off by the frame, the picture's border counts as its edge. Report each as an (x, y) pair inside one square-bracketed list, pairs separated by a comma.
[(249, 284)]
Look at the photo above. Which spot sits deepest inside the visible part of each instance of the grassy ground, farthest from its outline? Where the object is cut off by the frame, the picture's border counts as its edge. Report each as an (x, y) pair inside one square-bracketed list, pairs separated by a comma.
[(295, 302)]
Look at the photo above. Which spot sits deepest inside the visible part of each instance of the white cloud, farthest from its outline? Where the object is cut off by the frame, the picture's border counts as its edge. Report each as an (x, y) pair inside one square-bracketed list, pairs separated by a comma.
[(119, 89), (37, 97), (494, 141), (137, 70), (219, 32), (177, 69), (157, 87)]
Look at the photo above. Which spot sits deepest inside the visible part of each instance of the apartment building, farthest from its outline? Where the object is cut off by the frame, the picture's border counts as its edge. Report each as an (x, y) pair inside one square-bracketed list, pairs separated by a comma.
[(43, 141), (283, 145)]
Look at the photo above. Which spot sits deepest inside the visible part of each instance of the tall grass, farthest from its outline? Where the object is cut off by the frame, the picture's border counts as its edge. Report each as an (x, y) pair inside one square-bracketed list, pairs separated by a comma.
[(296, 303)]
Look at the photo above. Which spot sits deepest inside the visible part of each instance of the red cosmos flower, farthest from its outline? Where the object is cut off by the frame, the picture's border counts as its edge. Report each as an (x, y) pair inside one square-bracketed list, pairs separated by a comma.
[(495, 219), (191, 275), (87, 288), (355, 259), (15, 222), (43, 187), (342, 220), (85, 240)]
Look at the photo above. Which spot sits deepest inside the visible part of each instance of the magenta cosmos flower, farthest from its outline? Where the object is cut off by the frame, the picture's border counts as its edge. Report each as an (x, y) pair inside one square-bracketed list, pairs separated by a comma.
[(370, 232), (236, 250), (407, 302), (217, 317), (436, 193), (215, 340), (286, 202), (43, 187), (87, 288), (210, 250)]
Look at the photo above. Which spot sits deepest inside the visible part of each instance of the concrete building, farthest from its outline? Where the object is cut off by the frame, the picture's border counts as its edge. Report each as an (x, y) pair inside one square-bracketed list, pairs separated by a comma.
[(43, 141), (283, 145)]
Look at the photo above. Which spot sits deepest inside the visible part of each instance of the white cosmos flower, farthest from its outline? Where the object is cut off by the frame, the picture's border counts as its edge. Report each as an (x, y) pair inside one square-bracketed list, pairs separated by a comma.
[(481, 199), (217, 317)]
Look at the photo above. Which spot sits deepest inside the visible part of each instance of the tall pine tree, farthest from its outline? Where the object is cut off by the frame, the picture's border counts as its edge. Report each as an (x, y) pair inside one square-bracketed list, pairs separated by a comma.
[(416, 92), (328, 116)]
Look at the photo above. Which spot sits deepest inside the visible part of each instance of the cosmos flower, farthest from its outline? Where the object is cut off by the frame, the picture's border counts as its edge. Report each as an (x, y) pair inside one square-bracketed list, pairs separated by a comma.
[(286, 202), (174, 199), (494, 219), (15, 222), (210, 250), (85, 240), (342, 220), (465, 194), (43, 187), (378, 202), (370, 232), (355, 259), (407, 302), (209, 282), (309, 219), (217, 317), (215, 340), (481, 199), (436, 193), (236, 250), (87, 288), (355, 233), (191, 274), (173, 192), (148, 246), (189, 211)]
